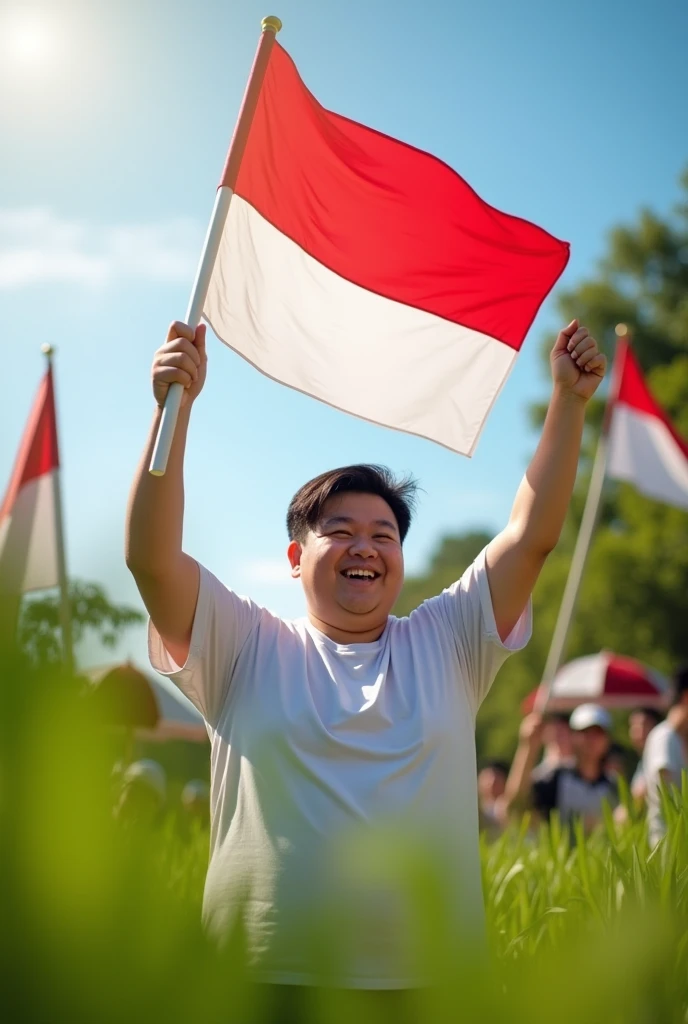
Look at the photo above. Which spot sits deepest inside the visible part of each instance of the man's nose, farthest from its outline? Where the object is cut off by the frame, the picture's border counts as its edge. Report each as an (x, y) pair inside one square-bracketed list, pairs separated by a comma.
[(363, 547)]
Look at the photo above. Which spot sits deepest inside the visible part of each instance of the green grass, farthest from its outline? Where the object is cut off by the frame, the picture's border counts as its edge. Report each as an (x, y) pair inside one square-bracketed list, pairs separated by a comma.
[(101, 924)]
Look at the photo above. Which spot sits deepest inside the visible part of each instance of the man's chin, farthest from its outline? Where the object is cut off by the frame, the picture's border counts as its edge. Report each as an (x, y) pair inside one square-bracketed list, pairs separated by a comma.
[(360, 611)]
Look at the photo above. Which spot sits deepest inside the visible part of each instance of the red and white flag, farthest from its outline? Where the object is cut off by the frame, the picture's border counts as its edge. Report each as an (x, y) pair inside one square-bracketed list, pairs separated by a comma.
[(368, 274), (645, 449), (28, 523)]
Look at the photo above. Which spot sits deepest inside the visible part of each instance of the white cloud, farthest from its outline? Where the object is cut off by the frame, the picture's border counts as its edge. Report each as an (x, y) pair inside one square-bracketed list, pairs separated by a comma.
[(38, 247)]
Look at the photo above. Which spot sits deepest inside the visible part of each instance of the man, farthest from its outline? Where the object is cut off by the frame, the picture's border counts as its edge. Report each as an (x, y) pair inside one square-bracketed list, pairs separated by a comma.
[(574, 792), (558, 745), (142, 793), (666, 754), (491, 786), (350, 720), (641, 722)]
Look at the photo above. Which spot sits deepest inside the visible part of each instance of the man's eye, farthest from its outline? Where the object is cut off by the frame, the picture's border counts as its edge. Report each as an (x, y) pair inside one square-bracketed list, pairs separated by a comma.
[(382, 536)]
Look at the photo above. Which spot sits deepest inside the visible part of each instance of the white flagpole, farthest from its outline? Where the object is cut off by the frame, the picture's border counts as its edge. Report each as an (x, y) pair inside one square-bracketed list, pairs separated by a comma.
[(591, 512), (269, 28), (63, 582)]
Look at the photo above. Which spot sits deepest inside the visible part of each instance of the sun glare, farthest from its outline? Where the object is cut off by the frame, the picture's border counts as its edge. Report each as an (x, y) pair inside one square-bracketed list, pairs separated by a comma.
[(31, 44)]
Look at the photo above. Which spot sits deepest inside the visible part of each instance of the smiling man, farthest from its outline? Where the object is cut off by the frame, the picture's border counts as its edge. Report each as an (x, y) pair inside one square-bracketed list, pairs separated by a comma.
[(349, 720)]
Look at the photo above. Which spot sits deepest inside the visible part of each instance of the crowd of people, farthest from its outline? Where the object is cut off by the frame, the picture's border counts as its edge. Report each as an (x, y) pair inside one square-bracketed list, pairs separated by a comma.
[(569, 764), (142, 797)]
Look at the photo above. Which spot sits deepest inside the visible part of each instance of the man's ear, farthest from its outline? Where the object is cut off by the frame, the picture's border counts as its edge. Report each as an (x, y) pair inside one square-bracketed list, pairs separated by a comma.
[(294, 555)]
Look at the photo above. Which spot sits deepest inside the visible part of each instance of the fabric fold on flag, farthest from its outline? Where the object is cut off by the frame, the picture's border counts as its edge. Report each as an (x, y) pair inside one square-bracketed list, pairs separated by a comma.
[(645, 449), (368, 274), (28, 534)]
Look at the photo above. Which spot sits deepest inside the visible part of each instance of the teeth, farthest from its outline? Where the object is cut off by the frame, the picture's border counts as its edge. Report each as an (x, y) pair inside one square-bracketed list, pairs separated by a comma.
[(364, 574)]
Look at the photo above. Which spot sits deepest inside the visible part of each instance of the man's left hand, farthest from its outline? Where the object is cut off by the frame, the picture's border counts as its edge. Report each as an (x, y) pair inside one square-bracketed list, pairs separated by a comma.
[(578, 366)]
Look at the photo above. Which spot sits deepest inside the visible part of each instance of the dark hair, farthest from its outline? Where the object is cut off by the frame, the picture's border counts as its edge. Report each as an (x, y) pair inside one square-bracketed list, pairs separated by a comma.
[(654, 713), (305, 508), (679, 684)]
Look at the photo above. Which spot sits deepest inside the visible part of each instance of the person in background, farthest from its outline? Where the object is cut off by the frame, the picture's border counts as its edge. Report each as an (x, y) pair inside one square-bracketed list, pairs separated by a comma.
[(616, 763), (558, 744), (491, 786), (576, 791), (641, 722), (196, 802), (665, 755), (142, 794)]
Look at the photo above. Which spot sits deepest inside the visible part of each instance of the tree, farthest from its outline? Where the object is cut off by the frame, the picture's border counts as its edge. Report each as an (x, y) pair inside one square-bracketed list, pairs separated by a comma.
[(91, 610), (634, 595)]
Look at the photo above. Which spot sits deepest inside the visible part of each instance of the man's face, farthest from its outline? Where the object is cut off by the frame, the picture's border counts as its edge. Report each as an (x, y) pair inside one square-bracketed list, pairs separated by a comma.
[(640, 726), (351, 564), (591, 744)]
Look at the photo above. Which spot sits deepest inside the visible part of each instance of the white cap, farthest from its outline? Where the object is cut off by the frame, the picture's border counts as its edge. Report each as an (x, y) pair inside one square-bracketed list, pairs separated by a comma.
[(587, 715)]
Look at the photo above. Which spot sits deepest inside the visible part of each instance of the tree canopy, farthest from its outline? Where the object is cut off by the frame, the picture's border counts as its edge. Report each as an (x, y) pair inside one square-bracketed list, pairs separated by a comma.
[(91, 612)]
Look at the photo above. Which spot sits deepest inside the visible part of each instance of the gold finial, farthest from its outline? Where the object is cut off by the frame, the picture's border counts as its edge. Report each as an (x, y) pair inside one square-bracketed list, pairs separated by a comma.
[(271, 23), (621, 330), (47, 350)]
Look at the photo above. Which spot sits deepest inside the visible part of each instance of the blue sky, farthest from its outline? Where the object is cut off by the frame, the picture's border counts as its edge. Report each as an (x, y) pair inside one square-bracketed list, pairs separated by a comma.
[(115, 124)]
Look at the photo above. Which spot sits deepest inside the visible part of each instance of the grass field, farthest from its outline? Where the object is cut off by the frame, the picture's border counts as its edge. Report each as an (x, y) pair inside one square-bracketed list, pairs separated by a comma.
[(101, 924)]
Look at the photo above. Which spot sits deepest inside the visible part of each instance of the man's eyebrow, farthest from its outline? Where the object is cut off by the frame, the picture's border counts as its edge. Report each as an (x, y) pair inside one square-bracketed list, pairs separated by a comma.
[(348, 520)]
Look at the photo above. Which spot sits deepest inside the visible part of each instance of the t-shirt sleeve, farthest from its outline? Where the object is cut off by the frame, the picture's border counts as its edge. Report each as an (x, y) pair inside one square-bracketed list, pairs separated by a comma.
[(467, 608), (222, 624)]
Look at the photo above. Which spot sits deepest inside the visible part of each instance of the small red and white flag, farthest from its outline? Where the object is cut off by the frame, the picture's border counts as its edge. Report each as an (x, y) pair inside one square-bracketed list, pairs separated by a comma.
[(645, 449), (28, 514), (368, 274)]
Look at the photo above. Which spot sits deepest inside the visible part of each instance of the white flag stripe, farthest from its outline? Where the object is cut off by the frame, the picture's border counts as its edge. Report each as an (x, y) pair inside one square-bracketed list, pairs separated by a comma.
[(305, 326), (28, 540), (642, 451)]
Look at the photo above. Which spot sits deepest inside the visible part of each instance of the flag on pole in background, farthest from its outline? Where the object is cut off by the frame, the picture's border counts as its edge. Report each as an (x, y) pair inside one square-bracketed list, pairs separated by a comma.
[(368, 274), (645, 449), (28, 523)]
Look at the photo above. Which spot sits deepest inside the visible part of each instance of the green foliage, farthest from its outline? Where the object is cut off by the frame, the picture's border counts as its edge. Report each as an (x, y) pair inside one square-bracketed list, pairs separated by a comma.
[(91, 611), (105, 919)]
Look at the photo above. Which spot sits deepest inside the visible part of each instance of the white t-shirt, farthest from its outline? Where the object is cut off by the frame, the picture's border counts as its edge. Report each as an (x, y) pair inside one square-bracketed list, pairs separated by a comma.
[(316, 748), (664, 750)]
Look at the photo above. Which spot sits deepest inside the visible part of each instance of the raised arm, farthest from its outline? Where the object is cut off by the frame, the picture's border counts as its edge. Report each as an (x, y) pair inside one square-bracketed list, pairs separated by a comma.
[(167, 578), (516, 556)]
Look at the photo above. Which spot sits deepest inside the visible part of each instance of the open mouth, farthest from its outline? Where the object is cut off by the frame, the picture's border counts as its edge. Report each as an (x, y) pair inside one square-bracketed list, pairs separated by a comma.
[(360, 575)]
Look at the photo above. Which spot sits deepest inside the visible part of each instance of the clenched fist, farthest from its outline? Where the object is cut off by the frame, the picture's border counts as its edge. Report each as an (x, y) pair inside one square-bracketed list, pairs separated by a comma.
[(578, 366), (181, 360)]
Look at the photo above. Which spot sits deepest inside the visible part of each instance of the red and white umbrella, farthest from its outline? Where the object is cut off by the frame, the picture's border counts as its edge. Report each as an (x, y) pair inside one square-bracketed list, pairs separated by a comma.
[(611, 680)]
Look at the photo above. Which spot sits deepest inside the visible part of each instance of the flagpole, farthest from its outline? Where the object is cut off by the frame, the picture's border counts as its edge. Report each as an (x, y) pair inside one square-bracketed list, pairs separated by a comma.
[(63, 583), (269, 28), (585, 534)]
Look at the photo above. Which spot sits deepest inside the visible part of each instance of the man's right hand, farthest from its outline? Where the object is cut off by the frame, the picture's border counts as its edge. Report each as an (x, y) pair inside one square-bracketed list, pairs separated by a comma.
[(181, 360)]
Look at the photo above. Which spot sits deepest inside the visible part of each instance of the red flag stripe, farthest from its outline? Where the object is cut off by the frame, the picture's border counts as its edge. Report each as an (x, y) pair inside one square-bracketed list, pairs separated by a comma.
[(38, 452), (391, 218), (634, 392)]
